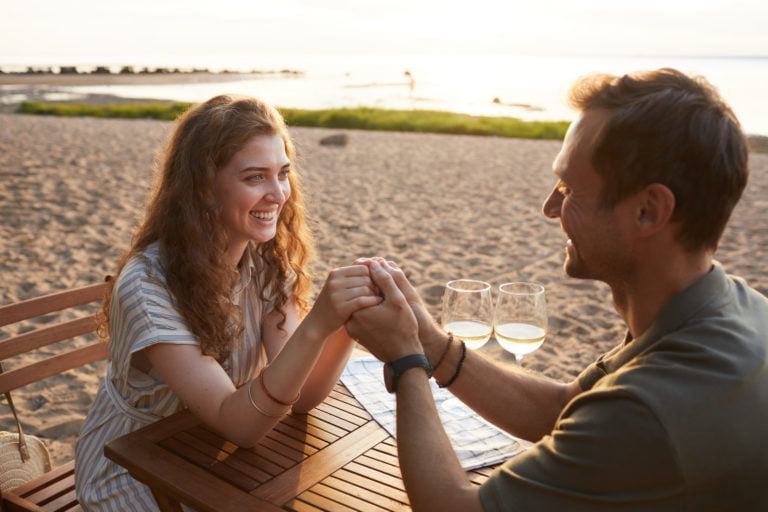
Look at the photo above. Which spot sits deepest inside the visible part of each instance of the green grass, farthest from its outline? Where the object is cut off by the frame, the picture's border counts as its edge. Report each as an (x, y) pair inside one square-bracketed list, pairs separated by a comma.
[(431, 121), (164, 111)]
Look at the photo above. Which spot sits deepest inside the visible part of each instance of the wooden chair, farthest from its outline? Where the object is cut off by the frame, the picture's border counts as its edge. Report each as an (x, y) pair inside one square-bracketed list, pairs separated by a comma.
[(55, 490)]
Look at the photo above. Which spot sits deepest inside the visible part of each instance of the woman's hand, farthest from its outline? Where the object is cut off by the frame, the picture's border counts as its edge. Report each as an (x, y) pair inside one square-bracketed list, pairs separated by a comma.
[(431, 336), (346, 290)]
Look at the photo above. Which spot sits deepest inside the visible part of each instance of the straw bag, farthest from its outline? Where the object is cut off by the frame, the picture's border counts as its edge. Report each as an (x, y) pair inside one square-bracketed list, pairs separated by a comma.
[(22, 458)]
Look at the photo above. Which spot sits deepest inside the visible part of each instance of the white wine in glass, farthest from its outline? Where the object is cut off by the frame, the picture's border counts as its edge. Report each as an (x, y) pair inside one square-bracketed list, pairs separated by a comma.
[(520, 318), (468, 311)]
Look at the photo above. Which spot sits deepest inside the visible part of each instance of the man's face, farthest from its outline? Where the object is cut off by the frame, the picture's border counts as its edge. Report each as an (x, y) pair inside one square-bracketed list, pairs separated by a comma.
[(597, 247)]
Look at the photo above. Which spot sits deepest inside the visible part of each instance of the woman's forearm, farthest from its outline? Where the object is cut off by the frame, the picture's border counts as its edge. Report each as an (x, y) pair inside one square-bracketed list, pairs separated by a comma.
[(252, 411), (326, 371)]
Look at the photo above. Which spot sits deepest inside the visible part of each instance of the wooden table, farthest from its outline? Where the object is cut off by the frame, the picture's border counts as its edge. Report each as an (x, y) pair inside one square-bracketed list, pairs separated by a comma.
[(335, 458)]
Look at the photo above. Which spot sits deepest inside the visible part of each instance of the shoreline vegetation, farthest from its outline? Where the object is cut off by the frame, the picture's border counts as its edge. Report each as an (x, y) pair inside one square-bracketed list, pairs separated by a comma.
[(361, 118)]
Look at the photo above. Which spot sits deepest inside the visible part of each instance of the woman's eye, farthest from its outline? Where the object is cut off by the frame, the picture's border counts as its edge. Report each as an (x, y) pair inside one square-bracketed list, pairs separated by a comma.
[(254, 177), (284, 173)]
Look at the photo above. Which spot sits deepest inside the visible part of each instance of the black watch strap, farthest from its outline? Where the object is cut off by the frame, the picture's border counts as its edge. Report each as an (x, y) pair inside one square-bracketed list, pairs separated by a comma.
[(393, 369)]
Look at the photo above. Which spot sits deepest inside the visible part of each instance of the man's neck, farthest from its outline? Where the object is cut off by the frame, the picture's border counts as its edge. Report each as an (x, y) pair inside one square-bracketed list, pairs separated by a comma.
[(639, 299)]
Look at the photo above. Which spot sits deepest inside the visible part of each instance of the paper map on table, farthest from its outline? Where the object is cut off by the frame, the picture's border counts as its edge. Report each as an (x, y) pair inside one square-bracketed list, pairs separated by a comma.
[(477, 443)]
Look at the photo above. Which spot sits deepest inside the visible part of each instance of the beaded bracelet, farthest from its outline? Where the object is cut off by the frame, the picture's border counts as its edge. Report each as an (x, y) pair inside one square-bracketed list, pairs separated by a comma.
[(269, 395), (458, 366), (445, 352), (255, 406)]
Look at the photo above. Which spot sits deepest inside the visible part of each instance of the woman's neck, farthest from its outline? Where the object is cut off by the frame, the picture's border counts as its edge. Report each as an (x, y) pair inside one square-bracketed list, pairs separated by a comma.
[(234, 253)]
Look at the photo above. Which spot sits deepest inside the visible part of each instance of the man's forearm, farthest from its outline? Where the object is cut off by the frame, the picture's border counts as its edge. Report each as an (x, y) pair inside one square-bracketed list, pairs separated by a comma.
[(524, 405), (431, 471)]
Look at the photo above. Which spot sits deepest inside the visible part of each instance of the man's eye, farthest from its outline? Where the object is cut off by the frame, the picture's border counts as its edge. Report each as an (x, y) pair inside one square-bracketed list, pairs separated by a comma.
[(563, 189)]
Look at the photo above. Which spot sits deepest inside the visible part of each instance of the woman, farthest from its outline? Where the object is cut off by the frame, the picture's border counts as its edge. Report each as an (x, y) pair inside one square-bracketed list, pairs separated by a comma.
[(205, 312)]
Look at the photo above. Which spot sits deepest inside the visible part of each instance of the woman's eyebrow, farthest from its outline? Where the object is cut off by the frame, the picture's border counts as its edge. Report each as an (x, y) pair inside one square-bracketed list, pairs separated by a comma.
[(262, 169)]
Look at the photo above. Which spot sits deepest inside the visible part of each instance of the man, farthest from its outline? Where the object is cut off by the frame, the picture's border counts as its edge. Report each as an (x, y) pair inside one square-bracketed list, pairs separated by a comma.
[(675, 417)]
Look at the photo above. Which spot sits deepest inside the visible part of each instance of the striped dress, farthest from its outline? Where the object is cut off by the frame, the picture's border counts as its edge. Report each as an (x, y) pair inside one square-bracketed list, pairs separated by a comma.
[(142, 314)]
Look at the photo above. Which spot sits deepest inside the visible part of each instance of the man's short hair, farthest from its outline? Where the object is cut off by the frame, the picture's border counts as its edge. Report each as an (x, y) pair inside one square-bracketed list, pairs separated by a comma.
[(666, 127)]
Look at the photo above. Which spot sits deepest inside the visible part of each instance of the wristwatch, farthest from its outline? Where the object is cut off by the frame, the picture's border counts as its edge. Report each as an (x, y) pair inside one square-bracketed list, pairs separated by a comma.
[(393, 369)]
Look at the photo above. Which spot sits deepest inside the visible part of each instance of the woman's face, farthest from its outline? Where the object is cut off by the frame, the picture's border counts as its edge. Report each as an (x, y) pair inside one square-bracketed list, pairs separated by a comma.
[(252, 189)]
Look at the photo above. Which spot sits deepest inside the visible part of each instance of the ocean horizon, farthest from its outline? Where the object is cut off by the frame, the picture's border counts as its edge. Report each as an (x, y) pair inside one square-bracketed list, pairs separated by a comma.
[(527, 87)]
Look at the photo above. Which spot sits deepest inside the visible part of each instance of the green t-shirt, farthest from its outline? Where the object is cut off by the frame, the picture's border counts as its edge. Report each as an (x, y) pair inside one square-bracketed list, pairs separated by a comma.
[(674, 420)]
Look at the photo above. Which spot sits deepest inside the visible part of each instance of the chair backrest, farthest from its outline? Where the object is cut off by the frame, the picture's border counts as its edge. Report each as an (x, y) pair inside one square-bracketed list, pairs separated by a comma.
[(29, 312)]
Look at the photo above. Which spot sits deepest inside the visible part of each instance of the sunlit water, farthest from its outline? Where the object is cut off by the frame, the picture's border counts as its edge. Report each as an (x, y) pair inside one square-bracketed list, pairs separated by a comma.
[(531, 88)]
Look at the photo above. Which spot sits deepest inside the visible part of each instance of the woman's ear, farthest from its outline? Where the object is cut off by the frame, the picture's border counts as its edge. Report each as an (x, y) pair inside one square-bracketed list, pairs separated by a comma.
[(655, 208)]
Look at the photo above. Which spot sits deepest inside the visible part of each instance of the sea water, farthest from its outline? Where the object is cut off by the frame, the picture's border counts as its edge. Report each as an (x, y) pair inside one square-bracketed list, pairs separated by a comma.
[(527, 87)]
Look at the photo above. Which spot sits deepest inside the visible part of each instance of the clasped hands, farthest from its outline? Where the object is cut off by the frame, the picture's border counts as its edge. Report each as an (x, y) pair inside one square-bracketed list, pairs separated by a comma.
[(397, 326), (379, 308)]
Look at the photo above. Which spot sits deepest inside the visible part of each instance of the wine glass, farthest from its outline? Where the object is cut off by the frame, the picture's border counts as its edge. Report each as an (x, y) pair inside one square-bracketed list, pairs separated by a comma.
[(468, 311), (520, 318)]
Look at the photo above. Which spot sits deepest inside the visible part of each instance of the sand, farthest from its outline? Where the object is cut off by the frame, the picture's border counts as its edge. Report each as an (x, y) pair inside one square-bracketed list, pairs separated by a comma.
[(443, 206)]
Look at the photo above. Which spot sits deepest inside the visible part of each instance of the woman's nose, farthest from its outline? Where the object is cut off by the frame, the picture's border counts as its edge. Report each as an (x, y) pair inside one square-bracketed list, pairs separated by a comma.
[(276, 192)]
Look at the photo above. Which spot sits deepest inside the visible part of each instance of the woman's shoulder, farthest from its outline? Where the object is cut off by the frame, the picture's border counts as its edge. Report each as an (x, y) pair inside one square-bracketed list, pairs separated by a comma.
[(143, 268), (146, 261)]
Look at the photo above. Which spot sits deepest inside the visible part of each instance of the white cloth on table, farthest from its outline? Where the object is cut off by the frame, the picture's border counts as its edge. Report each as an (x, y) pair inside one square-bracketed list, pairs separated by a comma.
[(477, 443)]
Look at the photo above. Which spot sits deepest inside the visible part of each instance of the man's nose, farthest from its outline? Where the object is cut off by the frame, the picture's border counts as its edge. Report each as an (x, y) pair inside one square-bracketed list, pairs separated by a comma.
[(551, 206)]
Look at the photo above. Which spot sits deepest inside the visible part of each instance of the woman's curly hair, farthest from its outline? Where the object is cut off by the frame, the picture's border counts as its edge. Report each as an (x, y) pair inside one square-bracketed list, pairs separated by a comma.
[(183, 215)]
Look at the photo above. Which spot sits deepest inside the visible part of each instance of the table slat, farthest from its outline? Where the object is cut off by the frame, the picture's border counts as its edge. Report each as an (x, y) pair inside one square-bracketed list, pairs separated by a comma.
[(395, 481), (302, 506), (370, 484), (324, 503), (365, 493), (299, 478), (348, 499)]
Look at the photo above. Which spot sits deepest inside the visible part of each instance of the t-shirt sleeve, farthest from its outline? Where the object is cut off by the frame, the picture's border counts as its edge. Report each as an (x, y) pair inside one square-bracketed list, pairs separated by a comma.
[(608, 451), (143, 313), (589, 377)]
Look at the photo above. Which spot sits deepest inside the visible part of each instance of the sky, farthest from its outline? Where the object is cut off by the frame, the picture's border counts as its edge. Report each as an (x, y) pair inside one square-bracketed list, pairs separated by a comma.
[(34, 31)]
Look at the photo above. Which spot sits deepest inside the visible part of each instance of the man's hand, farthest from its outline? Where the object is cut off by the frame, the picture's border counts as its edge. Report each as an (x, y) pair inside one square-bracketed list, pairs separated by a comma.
[(431, 336), (389, 330)]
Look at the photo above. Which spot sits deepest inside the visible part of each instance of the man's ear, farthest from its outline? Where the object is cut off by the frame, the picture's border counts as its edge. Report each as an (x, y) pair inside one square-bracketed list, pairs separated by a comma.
[(656, 203)]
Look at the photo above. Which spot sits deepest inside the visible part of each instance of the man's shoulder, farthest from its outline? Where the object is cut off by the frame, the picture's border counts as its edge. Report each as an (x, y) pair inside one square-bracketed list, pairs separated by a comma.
[(748, 298), (700, 390)]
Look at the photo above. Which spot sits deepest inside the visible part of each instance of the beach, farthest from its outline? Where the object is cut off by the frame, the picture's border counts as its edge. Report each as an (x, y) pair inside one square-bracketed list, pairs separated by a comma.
[(442, 206)]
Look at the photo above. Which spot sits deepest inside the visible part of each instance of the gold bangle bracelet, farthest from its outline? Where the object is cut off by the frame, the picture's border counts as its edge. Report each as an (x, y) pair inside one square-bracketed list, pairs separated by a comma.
[(259, 409), (269, 395)]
